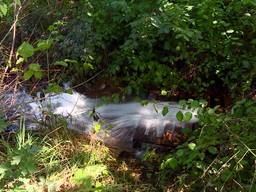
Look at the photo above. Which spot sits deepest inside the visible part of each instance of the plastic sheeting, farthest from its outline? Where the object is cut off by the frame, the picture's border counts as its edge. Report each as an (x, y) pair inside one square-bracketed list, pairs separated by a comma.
[(124, 127)]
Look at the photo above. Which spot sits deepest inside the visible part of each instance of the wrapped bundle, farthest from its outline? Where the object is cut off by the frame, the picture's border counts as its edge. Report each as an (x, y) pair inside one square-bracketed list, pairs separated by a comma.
[(125, 127)]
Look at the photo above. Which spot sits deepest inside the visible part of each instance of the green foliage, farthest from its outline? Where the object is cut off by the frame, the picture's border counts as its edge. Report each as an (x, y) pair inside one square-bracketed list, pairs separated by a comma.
[(172, 45), (221, 152), (34, 69), (20, 160), (3, 9)]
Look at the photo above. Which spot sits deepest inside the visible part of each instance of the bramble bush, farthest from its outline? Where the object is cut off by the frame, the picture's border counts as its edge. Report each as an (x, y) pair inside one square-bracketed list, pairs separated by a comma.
[(191, 46)]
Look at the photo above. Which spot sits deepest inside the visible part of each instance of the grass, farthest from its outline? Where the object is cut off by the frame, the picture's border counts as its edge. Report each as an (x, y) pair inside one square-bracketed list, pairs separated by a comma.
[(59, 160), (219, 155)]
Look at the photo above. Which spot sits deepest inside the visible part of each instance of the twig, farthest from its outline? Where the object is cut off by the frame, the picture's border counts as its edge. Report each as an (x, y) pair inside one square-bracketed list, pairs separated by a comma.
[(88, 80)]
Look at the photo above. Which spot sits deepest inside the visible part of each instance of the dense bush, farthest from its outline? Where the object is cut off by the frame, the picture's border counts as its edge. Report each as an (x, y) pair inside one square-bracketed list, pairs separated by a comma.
[(185, 45), (198, 47)]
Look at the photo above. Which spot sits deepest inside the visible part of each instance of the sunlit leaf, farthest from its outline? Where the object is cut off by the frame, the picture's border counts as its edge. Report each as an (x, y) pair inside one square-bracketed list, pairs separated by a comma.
[(3, 9), (192, 146), (187, 116), (25, 50), (97, 127)]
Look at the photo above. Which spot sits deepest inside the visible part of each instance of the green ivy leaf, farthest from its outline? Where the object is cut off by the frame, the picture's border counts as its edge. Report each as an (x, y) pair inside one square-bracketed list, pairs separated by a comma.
[(165, 110), (25, 50), (187, 116), (179, 116)]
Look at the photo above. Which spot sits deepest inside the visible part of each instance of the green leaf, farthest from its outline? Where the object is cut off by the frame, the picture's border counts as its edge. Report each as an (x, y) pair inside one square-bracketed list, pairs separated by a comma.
[(3, 9), (179, 116), (187, 116), (61, 63), (192, 146), (165, 110), (97, 127), (213, 150), (38, 74), (164, 92), (170, 163), (25, 50), (34, 67), (43, 45), (28, 74), (20, 60), (88, 66), (194, 104), (54, 88)]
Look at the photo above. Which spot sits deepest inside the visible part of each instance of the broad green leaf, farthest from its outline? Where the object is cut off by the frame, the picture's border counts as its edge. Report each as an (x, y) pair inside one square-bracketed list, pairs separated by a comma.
[(34, 67), (192, 146), (38, 74), (25, 50), (28, 74), (187, 116), (179, 116), (165, 110), (43, 45), (3, 9)]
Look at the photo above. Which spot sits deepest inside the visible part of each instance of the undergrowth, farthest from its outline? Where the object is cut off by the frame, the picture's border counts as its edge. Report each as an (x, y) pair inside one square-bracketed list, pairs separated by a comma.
[(219, 155)]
